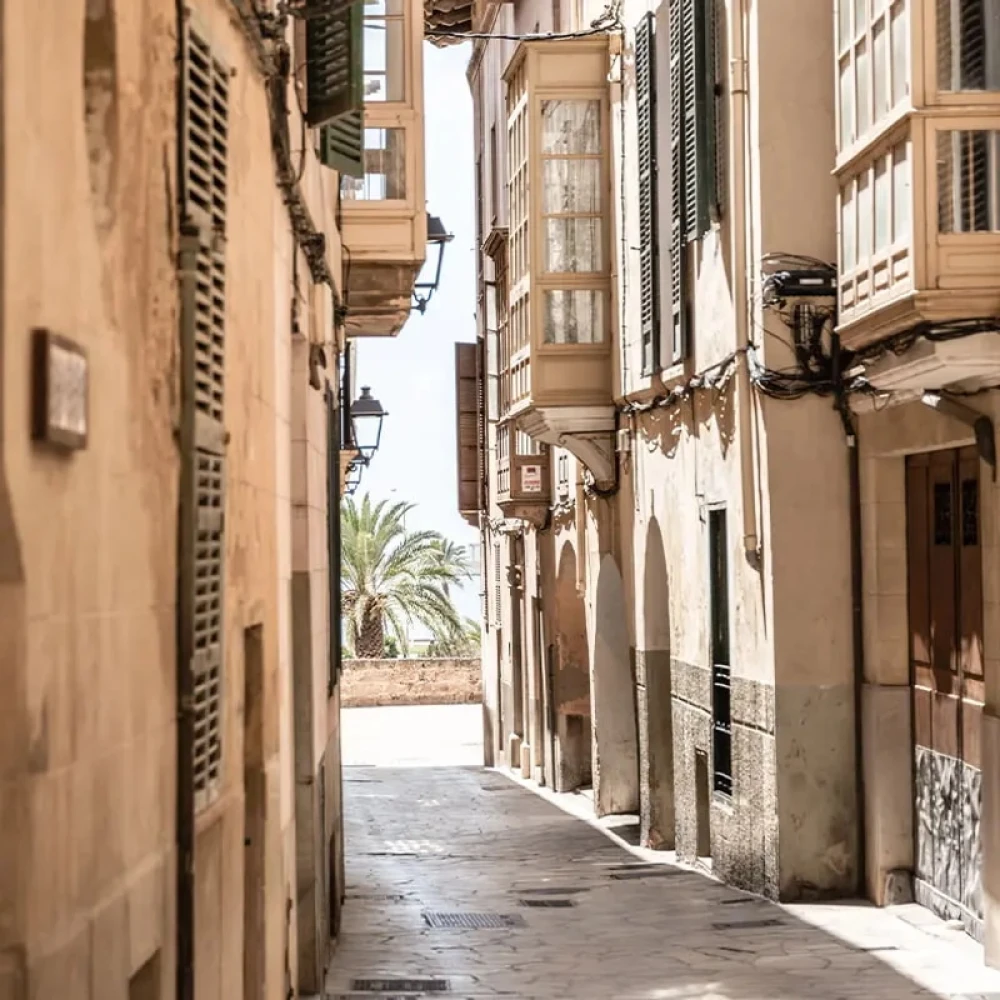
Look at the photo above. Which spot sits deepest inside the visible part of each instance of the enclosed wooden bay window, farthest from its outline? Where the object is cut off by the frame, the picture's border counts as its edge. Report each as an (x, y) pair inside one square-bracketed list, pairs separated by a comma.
[(919, 164), (383, 210), (556, 350)]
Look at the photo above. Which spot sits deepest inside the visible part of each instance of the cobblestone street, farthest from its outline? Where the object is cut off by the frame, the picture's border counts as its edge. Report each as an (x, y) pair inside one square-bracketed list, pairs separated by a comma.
[(462, 881)]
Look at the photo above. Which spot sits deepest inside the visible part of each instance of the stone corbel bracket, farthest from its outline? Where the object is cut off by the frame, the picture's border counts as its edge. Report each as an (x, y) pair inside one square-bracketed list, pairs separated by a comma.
[(586, 432)]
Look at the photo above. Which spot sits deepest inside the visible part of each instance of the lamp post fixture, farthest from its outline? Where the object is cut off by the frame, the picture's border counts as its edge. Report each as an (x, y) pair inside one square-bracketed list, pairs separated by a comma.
[(437, 236), (367, 415)]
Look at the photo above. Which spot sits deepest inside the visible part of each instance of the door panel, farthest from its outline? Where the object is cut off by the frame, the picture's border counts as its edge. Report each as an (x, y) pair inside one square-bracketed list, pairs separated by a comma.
[(945, 609)]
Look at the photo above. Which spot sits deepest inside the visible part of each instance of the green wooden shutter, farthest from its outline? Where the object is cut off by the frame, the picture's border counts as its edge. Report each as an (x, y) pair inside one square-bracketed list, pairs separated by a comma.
[(201, 548), (645, 90), (334, 64), (698, 42), (341, 144), (678, 253)]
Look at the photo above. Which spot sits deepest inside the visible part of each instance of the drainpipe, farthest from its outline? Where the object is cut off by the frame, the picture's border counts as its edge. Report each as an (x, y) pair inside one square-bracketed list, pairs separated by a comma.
[(184, 820), (857, 599), (738, 101)]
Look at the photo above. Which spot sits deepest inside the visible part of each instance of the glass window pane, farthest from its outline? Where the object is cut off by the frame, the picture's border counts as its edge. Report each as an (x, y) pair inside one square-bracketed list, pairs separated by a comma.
[(883, 204), (900, 194), (846, 103), (900, 62), (880, 68), (864, 218), (864, 87), (570, 127), (860, 16), (968, 44), (385, 168), (384, 60), (848, 255), (844, 24), (969, 181), (571, 187), (878, 6), (574, 317), (376, 8), (573, 245)]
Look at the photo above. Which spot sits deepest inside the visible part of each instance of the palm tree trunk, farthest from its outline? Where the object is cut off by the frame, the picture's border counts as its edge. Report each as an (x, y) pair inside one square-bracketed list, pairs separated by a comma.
[(369, 643)]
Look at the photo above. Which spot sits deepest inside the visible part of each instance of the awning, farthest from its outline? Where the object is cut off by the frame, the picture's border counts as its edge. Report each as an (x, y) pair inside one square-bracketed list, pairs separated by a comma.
[(447, 15)]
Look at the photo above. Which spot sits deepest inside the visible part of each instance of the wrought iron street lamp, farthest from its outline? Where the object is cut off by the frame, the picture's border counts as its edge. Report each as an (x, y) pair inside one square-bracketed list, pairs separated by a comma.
[(437, 237), (367, 415)]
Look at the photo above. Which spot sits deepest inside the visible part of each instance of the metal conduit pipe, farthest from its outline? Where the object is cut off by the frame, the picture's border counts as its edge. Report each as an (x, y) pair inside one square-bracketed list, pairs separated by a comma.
[(738, 101)]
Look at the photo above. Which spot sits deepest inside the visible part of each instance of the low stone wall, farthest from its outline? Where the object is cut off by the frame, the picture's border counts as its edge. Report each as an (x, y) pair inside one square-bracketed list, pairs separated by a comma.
[(425, 681)]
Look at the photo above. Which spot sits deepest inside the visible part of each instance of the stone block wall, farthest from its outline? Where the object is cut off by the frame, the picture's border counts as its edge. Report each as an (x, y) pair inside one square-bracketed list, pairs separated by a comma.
[(425, 681)]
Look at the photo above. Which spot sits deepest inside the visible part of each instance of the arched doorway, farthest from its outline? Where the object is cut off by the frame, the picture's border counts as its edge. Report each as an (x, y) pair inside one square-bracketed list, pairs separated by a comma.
[(655, 720), (571, 680), (616, 752)]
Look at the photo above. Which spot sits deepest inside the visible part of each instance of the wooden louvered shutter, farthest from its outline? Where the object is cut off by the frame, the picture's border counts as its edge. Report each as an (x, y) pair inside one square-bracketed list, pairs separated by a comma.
[(482, 470), (467, 428), (335, 85), (201, 555), (698, 42), (678, 255), (645, 89)]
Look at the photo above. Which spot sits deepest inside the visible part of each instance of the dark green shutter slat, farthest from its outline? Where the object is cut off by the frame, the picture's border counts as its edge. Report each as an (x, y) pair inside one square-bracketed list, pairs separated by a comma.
[(645, 86), (341, 144), (678, 268), (334, 64), (711, 166), (698, 41)]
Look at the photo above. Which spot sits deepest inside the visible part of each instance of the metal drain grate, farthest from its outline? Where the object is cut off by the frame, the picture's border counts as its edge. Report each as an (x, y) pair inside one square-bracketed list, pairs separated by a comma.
[(400, 985), (740, 899), (472, 921), (739, 925), (545, 890), (658, 871), (552, 903)]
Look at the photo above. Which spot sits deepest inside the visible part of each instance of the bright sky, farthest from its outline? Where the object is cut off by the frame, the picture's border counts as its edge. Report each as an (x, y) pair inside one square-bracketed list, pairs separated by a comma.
[(413, 375)]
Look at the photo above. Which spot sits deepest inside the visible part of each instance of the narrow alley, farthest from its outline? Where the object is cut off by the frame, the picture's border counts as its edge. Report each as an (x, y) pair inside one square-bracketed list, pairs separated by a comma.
[(464, 883)]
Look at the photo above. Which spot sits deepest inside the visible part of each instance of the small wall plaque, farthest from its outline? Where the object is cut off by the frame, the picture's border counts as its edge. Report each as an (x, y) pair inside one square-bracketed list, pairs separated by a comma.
[(60, 391)]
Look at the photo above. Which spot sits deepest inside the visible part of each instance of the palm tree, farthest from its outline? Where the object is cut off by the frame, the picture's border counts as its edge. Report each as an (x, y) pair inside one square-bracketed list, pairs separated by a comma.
[(390, 576), (466, 642)]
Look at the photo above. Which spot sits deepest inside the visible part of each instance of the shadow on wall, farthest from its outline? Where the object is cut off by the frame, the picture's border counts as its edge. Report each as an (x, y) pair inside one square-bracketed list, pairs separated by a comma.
[(666, 426), (616, 758), (653, 700), (571, 679)]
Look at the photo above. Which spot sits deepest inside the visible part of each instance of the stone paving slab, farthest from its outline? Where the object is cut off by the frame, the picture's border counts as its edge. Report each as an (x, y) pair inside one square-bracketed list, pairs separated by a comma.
[(434, 840)]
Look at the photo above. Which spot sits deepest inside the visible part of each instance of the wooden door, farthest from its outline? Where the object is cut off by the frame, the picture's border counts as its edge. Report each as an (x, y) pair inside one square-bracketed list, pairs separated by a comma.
[(946, 664)]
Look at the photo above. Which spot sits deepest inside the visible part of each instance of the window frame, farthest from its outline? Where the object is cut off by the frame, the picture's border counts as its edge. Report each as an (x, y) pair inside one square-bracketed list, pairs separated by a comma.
[(846, 50), (945, 98)]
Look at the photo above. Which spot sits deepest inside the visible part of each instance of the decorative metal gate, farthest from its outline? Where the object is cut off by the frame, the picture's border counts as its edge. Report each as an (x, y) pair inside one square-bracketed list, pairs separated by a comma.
[(946, 665)]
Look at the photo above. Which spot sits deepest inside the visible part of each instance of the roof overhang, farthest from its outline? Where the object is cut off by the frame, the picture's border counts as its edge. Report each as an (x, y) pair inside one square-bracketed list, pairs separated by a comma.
[(966, 363)]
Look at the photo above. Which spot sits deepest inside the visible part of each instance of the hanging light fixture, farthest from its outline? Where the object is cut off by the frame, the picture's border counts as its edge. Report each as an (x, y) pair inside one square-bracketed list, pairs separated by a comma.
[(367, 415), (437, 237)]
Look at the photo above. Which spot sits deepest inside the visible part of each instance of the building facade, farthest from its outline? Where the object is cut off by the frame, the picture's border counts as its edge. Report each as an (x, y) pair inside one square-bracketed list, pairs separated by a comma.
[(179, 206), (733, 436)]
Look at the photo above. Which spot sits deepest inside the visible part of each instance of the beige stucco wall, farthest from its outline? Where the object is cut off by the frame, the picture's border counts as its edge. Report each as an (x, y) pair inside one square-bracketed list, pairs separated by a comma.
[(419, 681), (88, 541), (88, 585)]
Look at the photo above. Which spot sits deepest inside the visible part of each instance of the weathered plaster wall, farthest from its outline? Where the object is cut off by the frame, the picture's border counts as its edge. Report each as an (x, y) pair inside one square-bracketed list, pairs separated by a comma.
[(417, 681), (87, 592)]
